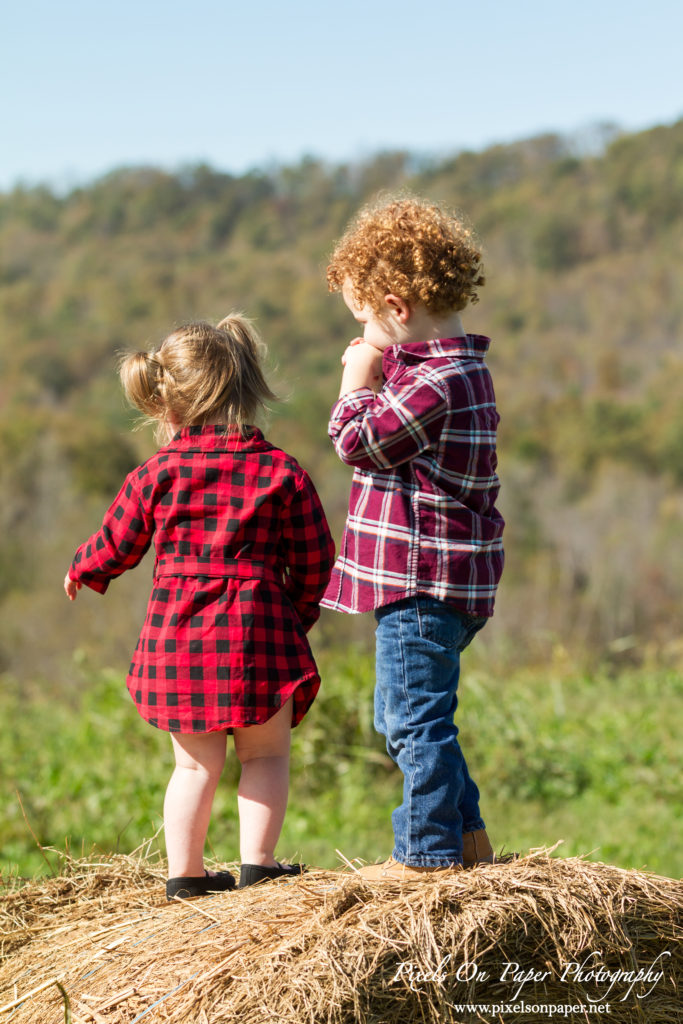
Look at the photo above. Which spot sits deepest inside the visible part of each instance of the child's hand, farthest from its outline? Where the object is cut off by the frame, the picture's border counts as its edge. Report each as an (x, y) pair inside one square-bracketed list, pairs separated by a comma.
[(359, 341), (354, 341), (362, 367), (71, 587)]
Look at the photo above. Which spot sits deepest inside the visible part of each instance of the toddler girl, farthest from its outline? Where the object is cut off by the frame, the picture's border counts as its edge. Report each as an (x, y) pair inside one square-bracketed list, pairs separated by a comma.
[(243, 555)]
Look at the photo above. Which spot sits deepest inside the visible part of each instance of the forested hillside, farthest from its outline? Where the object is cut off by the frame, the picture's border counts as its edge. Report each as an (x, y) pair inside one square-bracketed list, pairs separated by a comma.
[(583, 302)]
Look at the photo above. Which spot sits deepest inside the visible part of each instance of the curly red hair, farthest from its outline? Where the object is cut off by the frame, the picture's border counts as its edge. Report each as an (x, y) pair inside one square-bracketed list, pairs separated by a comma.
[(410, 248)]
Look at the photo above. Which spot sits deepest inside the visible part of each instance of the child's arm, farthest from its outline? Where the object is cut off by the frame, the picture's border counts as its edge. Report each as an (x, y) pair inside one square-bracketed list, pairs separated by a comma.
[(118, 545), (309, 551), (385, 430)]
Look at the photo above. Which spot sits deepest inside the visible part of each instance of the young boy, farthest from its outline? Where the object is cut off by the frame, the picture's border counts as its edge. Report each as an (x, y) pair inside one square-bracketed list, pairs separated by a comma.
[(416, 418)]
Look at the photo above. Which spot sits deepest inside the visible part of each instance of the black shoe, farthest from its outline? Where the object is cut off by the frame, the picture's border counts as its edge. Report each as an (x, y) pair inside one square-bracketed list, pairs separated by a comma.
[(252, 874), (188, 888)]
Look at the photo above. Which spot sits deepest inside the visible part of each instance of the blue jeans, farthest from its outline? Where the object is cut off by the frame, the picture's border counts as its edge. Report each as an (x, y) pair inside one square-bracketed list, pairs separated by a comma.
[(418, 643)]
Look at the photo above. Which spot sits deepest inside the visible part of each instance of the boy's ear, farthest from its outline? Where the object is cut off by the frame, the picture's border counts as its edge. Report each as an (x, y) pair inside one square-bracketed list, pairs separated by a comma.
[(398, 308)]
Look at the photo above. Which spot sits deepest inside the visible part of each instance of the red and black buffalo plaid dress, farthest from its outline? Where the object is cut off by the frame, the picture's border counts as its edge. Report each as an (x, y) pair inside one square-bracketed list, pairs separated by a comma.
[(243, 556)]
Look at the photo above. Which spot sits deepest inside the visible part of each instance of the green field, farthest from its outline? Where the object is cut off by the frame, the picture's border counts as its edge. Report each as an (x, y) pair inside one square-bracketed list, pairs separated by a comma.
[(592, 760)]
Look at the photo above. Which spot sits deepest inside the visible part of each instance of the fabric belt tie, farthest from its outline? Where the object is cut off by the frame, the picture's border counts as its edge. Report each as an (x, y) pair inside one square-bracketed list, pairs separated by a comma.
[(230, 568)]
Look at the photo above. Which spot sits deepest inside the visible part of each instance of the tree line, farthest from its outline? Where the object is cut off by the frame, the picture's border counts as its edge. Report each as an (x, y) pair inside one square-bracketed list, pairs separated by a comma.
[(583, 303)]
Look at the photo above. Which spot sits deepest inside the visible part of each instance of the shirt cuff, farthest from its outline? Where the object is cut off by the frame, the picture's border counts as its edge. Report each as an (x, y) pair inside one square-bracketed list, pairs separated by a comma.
[(350, 404), (98, 585)]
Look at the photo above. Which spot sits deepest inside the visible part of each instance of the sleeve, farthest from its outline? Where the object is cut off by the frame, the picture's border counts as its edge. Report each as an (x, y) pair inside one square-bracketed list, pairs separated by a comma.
[(309, 551), (377, 432), (119, 544)]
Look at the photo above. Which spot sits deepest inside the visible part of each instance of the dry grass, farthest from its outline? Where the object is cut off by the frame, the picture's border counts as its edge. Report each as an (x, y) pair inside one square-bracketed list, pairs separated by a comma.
[(100, 945)]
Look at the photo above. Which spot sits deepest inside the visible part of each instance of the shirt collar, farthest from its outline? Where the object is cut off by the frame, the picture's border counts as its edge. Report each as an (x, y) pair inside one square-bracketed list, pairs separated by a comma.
[(213, 437), (472, 345)]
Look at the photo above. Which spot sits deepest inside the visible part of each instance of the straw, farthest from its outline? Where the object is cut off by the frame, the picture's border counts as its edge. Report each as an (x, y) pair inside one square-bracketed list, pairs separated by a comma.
[(330, 947)]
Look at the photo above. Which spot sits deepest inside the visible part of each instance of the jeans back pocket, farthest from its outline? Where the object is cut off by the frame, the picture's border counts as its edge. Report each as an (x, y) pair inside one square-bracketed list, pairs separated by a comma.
[(443, 625)]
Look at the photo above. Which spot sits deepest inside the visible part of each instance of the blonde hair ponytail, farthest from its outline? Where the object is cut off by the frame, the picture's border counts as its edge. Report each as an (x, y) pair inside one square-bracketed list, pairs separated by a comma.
[(200, 374), (140, 374)]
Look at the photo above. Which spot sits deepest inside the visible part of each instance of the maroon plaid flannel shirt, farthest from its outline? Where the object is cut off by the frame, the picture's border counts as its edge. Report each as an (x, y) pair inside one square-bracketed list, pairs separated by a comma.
[(422, 516), (243, 555)]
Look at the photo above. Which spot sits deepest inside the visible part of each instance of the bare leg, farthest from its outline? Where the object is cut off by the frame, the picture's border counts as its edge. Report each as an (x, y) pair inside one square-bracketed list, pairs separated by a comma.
[(263, 751), (189, 797)]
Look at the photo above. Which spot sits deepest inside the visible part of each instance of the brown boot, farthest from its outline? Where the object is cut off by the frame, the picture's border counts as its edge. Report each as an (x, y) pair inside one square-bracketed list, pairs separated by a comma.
[(392, 870), (476, 849)]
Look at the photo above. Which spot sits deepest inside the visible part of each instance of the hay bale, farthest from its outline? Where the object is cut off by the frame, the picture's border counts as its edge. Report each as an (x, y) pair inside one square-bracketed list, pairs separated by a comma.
[(331, 947)]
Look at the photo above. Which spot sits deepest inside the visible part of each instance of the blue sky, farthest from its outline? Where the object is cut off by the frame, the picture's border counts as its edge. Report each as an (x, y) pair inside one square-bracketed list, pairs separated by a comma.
[(86, 88)]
